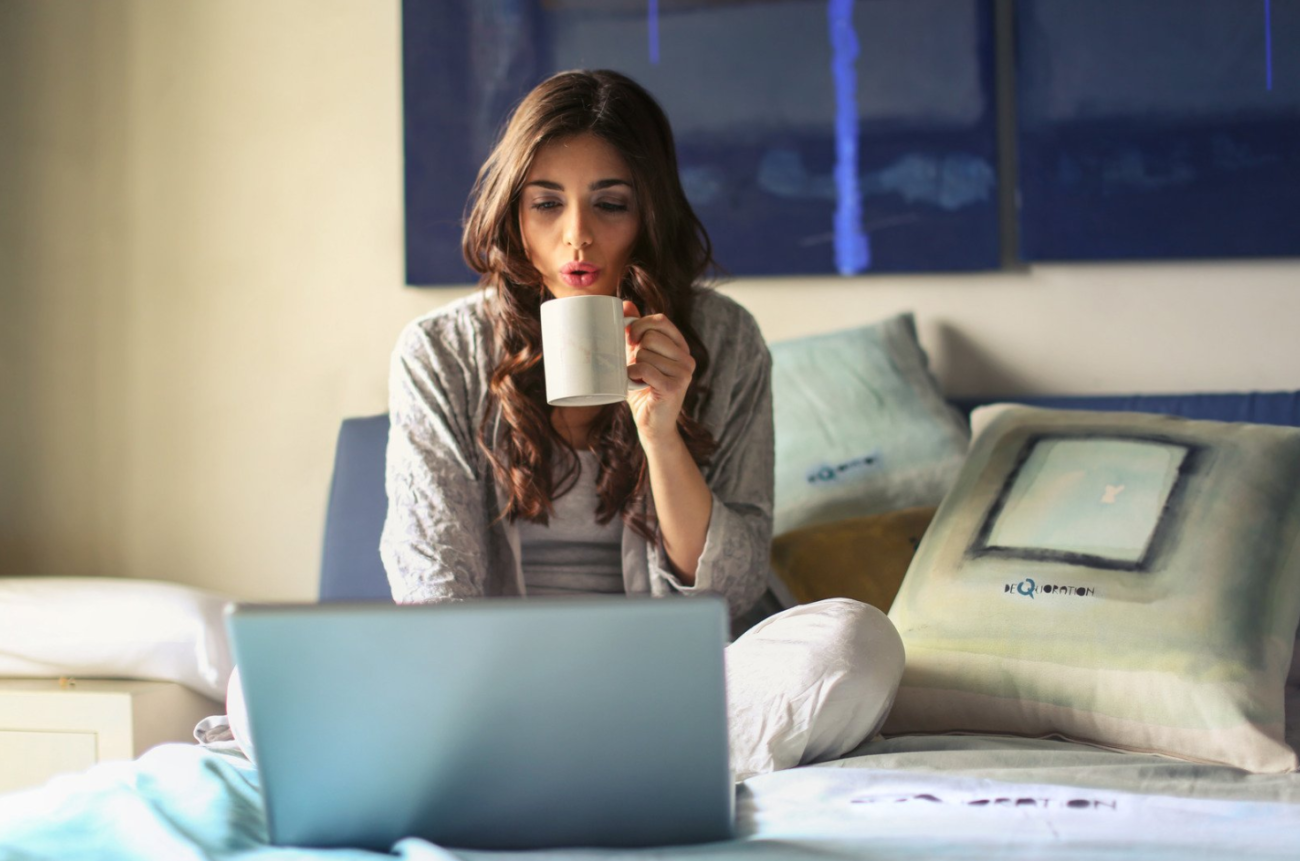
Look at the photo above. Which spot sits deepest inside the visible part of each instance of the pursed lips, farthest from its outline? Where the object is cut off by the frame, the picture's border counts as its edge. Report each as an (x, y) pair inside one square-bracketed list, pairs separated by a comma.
[(579, 273)]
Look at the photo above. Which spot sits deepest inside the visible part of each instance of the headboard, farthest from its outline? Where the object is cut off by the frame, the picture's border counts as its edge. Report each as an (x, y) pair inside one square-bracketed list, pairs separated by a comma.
[(350, 568)]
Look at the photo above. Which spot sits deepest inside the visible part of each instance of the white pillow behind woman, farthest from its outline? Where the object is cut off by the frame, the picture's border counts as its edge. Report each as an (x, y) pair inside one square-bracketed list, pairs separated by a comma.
[(104, 627)]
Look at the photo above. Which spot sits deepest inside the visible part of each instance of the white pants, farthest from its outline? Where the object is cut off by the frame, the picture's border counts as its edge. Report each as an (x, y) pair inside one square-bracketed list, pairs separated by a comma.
[(808, 684)]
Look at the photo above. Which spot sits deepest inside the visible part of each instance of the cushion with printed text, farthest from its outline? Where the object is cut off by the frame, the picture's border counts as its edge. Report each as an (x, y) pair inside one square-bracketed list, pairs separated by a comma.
[(1123, 579)]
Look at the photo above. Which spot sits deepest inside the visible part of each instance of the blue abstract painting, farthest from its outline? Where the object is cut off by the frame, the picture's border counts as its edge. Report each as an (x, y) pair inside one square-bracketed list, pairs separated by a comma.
[(1154, 129), (814, 136)]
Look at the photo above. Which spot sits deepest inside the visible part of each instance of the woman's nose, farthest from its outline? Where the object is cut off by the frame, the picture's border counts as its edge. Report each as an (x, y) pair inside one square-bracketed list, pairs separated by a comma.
[(577, 233)]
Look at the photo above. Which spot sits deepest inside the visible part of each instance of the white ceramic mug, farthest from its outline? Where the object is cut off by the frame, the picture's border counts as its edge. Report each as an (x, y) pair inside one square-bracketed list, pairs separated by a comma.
[(584, 350)]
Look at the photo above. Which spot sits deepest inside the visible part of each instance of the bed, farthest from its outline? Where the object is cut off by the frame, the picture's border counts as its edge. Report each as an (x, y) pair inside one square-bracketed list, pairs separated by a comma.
[(939, 797), (915, 795)]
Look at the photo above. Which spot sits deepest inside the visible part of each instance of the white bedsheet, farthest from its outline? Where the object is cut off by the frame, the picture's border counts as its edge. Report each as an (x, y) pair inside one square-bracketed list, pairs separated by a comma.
[(935, 815), (191, 802)]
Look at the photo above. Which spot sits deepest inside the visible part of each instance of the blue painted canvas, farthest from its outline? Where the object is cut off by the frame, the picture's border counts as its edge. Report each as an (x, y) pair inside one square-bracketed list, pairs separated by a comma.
[(814, 136), (1158, 128)]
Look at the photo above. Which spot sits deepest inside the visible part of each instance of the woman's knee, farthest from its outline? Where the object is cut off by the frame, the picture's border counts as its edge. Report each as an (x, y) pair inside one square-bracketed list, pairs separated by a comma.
[(866, 637), (863, 657), (839, 631), (811, 683)]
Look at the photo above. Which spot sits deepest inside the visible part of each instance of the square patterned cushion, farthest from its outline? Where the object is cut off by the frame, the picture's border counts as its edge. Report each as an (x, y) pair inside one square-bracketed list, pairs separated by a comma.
[(861, 426), (1122, 579)]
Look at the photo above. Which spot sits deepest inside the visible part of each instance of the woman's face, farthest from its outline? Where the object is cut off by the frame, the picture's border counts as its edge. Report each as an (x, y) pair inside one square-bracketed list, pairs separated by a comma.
[(578, 216)]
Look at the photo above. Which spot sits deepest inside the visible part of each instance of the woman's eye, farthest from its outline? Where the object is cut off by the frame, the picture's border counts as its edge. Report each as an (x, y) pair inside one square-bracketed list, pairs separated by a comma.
[(543, 205), (612, 206)]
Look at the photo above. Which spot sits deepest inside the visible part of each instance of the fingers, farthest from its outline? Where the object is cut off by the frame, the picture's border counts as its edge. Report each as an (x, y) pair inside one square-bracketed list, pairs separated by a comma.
[(665, 354), (657, 380), (656, 341), (661, 372), (639, 329), (671, 375), (658, 356)]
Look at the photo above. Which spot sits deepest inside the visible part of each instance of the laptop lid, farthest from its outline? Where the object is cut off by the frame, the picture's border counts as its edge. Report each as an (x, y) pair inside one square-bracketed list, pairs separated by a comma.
[(496, 724)]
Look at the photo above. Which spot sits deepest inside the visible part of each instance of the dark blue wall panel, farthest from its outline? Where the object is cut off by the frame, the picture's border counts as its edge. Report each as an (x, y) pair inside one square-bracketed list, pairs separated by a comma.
[(815, 136), (1158, 128)]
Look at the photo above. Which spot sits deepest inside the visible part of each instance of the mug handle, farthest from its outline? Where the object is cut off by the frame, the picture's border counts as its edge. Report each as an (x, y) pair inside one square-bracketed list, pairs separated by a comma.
[(633, 385)]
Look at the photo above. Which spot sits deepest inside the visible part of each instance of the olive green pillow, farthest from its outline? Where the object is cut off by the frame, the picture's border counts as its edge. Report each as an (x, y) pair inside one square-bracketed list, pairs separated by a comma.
[(863, 558)]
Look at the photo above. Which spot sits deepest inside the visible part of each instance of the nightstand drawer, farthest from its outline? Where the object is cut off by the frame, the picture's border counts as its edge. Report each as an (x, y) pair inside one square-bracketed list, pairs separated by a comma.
[(30, 758), (47, 728)]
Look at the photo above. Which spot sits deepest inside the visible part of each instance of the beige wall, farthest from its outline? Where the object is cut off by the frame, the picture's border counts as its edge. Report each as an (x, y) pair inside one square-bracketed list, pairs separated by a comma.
[(201, 274)]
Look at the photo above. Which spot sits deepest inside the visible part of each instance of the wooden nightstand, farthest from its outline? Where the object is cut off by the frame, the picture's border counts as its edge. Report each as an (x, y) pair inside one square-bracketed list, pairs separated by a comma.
[(47, 728)]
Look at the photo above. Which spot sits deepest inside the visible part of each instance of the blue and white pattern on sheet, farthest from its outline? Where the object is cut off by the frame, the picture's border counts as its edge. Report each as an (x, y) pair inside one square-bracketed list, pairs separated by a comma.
[(188, 802)]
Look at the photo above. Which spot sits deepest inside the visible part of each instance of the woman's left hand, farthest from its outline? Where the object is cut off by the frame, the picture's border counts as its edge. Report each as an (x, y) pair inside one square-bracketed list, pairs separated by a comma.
[(659, 357)]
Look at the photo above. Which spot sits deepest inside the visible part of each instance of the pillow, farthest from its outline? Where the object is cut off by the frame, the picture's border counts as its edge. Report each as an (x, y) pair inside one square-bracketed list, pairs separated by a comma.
[(861, 426), (1121, 579), (863, 558), (101, 627)]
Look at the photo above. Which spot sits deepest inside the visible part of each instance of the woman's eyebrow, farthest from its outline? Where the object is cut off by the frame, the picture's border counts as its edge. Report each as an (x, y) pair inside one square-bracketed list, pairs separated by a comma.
[(595, 186)]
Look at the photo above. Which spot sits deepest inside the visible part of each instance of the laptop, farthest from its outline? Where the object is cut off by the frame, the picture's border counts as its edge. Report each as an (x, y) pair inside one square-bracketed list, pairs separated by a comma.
[(495, 724)]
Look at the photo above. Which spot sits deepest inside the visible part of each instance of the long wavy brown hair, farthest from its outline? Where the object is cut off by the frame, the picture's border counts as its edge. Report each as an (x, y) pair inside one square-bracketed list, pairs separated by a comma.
[(671, 256)]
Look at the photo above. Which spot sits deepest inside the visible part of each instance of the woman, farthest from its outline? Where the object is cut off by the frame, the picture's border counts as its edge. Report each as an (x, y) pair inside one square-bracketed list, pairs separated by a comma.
[(492, 492)]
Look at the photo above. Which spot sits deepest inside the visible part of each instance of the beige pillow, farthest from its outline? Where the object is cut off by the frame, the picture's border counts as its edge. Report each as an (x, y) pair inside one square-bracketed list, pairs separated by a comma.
[(1123, 579), (113, 628)]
